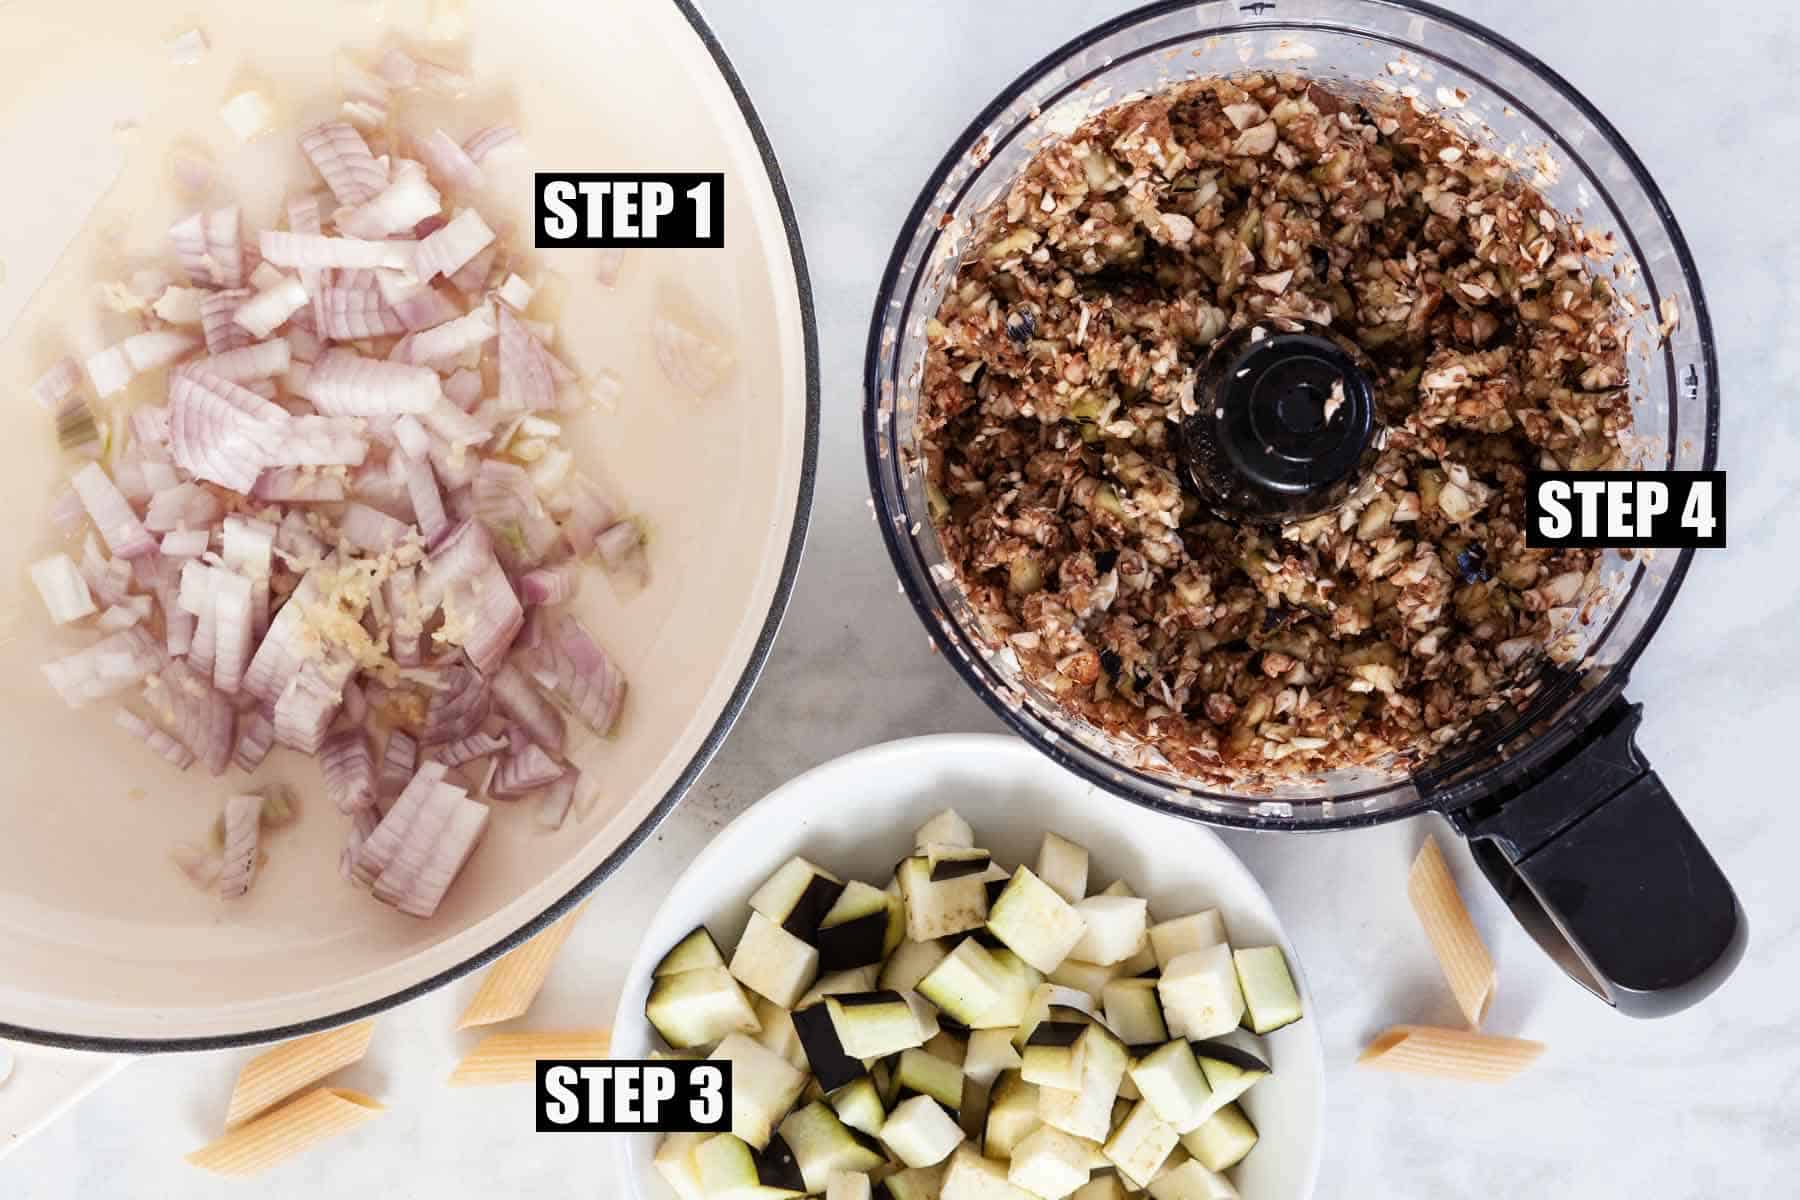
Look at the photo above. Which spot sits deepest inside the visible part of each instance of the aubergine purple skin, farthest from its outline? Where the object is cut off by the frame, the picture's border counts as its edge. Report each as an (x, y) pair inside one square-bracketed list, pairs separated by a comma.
[(824, 1052), (958, 868), (1056, 1033), (1225, 1052), (855, 943), (777, 1167), (810, 909)]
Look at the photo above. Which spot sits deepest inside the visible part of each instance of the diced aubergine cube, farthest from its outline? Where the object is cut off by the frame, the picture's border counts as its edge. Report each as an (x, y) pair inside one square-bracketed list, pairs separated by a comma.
[(858, 1105), (920, 1133), (848, 1185), (990, 1051), (825, 1055), (778, 1032), (956, 862), (1049, 1163), (1116, 929), (699, 1007), (925, 1013), (1035, 922), (935, 910), (797, 897), (1091, 978), (967, 984), (675, 1162), (691, 953), (774, 963), (1172, 1083), (946, 829), (823, 1144), (1134, 1012), (727, 1169), (1222, 1141), (1169, 940), (855, 932), (1101, 1187), (1140, 1144), (1200, 994), (1012, 1114), (915, 1183), (763, 1088), (1229, 1071), (1019, 980), (972, 1176), (1063, 867), (1087, 1113), (1055, 1054), (1270, 998), (1045, 999), (874, 1024), (1190, 1180), (778, 1167), (909, 964), (922, 1073), (950, 1045), (994, 880), (861, 979)]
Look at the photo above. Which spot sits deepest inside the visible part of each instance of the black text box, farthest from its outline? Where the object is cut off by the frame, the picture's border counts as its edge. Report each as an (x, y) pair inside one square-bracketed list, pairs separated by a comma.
[(1625, 510), (660, 1096), (615, 210)]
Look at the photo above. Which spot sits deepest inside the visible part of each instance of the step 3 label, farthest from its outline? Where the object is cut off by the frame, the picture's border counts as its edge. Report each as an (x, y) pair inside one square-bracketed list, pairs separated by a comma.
[(614, 210), (661, 1096), (1625, 510)]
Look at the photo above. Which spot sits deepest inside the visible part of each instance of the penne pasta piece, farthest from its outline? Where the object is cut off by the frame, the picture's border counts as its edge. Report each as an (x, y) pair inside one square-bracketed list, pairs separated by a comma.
[(284, 1132), (513, 982), (276, 1074), (512, 1057), (1450, 1053), (1460, 951)]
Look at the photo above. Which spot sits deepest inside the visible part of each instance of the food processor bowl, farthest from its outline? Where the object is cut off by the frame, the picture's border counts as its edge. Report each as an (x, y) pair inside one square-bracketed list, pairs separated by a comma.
[(1566, 817)]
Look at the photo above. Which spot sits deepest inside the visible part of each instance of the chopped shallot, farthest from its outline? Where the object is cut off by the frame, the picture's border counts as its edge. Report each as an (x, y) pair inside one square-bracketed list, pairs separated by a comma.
[(349, 770), (243, 824), (525, 771), (324, 528), (171, 750), (517, 698), (112, 514), (450, 160), (486, 141), (555, 800), (256, 737), (342, 158), (268, 310), (398, 762), (691, 362), (186, 49), (56, 384), (65, 592)]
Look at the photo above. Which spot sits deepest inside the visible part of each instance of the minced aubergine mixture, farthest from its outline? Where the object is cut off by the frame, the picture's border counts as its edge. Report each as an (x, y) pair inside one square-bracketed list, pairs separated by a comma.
[(1064, 354)]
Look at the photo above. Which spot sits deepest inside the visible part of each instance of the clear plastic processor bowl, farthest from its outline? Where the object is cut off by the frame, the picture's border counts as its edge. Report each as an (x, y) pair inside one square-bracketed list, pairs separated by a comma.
[(1565, 816)]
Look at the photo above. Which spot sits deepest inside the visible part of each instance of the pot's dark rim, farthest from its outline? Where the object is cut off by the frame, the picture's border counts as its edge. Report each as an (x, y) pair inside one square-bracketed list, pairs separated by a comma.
[(961, 653), (740, 694)]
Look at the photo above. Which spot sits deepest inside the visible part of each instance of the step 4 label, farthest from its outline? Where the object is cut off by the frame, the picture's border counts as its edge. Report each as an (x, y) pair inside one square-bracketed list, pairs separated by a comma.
[(1625, 510)]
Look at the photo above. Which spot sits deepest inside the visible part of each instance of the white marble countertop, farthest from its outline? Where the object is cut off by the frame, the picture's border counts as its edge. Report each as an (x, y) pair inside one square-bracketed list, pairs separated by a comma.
[(860, 99)]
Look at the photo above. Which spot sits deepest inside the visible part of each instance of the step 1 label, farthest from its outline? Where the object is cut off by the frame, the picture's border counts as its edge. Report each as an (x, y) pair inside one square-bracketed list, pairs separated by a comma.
[(614, 210), (1625, 510)]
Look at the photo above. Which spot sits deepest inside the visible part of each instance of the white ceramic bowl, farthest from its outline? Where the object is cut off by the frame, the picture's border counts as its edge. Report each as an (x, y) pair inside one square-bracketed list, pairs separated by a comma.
[(856, 816)]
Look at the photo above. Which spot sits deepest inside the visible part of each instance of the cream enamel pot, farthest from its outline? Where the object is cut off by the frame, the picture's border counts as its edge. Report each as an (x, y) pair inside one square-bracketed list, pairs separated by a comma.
[(104, 944)]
